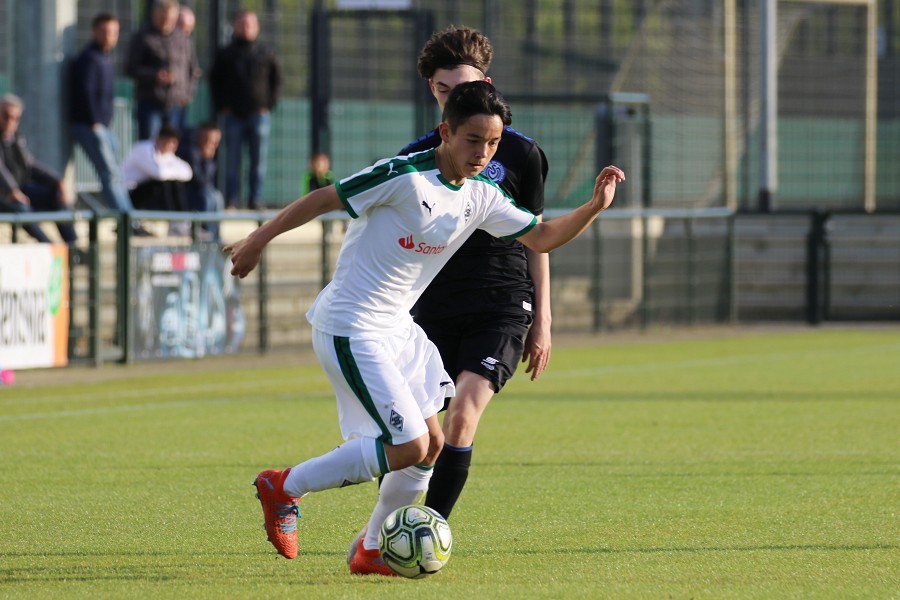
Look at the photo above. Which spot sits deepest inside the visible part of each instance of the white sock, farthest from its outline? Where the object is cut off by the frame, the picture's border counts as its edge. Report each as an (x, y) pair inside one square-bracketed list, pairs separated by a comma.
[(398, 488), (354, 461)]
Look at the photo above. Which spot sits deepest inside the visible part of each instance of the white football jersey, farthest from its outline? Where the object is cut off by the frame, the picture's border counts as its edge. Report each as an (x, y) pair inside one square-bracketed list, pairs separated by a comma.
[(407, 222)]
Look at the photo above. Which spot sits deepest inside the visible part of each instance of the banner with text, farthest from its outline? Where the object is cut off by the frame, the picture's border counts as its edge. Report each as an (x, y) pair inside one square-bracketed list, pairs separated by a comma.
[(186, 303), (34, 305)]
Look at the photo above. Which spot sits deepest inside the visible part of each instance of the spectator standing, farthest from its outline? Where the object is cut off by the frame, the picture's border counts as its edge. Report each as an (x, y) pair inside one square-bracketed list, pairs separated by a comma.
[(319, 174), (154, 175), (26, 185), (245, 83), (163, 64), (91, 94), (199, 150), (186, 20)]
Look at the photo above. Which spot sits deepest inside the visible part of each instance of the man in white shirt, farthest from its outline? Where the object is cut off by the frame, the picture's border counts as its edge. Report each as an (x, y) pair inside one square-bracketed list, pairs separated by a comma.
[(154, 175), (410, 213)]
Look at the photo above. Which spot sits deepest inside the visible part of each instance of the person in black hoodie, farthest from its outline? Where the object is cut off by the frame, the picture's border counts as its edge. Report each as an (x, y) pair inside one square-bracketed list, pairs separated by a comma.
[(245, 82)]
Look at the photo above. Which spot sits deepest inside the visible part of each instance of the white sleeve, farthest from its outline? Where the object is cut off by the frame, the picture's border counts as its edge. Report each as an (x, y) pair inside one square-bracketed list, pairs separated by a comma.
[(172, 168), (505, 219)]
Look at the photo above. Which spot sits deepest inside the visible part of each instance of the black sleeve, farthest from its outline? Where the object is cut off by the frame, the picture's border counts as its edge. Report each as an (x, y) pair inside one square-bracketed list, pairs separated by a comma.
[(533, 176)]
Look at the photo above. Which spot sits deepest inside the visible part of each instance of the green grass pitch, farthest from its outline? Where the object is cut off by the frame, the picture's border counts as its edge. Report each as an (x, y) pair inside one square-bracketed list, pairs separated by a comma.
[(737, 464)]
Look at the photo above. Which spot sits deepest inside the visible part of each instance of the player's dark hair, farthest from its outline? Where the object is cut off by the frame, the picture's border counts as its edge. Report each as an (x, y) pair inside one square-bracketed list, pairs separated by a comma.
[(103, 18), (452, 47), (474, 98)]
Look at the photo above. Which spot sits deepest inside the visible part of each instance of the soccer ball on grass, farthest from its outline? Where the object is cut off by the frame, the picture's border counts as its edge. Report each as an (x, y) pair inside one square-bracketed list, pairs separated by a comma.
[(415, 541)]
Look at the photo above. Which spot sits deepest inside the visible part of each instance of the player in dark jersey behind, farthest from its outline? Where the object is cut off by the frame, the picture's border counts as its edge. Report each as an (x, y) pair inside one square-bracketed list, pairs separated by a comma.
[(489, 307)]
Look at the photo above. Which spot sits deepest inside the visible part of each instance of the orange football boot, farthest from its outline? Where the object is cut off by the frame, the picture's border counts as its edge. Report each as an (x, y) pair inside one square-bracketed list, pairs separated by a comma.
[(279, 510)]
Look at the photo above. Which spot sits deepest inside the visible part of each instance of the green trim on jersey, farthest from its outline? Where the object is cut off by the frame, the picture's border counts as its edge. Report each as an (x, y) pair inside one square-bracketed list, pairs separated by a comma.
[(355, 380), (362, 182), (382, 457), (448, 185), (523, 231)]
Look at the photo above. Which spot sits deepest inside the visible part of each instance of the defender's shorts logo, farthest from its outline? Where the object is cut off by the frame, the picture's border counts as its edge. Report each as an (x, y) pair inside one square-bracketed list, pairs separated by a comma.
[(407, 242), (396, 420), (489, 363)]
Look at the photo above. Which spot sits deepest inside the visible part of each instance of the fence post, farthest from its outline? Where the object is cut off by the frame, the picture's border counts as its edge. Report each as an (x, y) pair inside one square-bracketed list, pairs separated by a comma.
[(731, 267), (691, 298), (816, 259), (325, 267), (94, 290), (263, 299), (123, 285), (645, 271), (597, 275)]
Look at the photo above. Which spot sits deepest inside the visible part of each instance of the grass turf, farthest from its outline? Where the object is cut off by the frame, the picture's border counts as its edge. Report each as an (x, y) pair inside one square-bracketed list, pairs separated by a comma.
[(752, 465)]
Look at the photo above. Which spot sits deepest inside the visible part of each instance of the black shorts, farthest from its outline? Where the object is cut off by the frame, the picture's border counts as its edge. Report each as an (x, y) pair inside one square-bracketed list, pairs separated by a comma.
[(490, 345)]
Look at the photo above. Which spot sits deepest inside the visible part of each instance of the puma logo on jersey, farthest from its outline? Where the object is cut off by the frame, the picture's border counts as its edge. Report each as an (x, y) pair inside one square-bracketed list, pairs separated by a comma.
[(407, 242), (425, 204), (391, 170)]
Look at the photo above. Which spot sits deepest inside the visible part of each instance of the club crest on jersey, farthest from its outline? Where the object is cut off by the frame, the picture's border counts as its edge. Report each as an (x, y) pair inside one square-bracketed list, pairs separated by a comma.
[(468, 212), (495, 171), (396, 420)]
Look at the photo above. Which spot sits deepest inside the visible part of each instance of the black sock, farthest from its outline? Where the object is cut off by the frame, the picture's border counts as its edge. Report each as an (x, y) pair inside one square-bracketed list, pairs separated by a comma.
[(450, 473)]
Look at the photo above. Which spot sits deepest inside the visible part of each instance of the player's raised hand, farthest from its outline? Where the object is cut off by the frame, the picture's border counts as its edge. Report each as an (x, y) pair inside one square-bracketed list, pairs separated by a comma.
[(605, 186), (245, 256)]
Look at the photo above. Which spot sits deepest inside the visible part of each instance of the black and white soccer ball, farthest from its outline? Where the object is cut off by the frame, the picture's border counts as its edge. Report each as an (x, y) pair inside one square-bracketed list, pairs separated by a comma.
[(415, 541)]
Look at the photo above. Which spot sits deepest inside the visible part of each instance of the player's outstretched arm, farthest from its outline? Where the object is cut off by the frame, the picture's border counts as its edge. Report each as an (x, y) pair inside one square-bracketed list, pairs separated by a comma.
[(549, 235), (245, 254)]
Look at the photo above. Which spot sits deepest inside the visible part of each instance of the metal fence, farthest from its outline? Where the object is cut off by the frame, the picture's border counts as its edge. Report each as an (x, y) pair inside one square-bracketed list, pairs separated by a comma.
[(633, 269)]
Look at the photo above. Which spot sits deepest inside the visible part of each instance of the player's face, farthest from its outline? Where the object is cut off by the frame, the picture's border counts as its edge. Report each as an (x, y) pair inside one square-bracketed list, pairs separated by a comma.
[(444, 80), (472, 146)]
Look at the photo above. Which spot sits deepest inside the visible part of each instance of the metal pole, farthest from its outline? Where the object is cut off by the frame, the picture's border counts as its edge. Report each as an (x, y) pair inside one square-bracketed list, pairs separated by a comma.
[(94, 291), (768, 159), (263, 299), (729, 171), (319, 86)]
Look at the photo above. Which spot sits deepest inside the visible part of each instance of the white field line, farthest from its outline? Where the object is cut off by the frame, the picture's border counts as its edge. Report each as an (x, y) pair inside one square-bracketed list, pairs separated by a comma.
[(104, 410), (159, 390)]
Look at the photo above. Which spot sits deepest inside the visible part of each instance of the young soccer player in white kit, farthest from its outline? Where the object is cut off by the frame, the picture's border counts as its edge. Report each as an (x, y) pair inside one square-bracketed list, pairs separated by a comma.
[(410, 213)]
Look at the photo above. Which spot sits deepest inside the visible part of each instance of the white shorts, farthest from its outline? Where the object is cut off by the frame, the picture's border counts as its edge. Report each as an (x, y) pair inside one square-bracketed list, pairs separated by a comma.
[(386, 386)]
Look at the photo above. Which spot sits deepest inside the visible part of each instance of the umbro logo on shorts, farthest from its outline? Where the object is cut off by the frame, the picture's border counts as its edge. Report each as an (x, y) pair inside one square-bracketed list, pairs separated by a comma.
[(489, 363), (396, 420)]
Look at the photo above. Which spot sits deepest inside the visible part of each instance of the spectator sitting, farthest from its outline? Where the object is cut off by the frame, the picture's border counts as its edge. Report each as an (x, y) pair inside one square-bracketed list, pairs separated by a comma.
[(25, 184), (153, 174), (199, 150), (319, 174)]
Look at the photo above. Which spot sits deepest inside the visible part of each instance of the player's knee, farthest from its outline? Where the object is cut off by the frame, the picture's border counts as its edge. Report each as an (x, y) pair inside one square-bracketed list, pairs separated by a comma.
[(410, 453)]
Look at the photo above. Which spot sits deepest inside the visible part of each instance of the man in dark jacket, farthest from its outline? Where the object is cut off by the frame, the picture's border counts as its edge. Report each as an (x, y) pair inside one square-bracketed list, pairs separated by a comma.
[(163, 64), (245, 82), (91, 93), (25, 184)]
